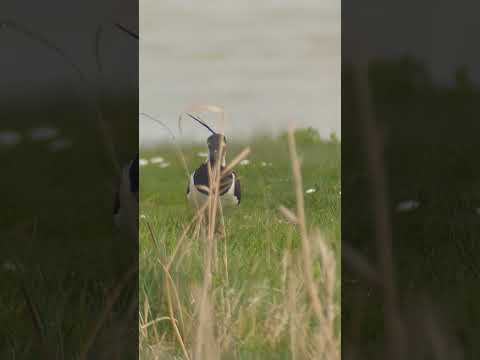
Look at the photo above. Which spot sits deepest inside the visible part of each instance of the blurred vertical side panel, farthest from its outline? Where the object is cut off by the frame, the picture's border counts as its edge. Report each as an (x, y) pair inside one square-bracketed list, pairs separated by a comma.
[(69, 179), (410, 180)]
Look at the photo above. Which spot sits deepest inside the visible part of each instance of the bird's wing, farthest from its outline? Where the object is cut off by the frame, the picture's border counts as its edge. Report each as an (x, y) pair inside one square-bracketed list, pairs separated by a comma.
[(201, 179), (226, 183)]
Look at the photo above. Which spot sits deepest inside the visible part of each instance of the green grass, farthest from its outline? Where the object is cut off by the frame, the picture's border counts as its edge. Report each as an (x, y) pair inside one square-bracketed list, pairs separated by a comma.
[(258, 240)]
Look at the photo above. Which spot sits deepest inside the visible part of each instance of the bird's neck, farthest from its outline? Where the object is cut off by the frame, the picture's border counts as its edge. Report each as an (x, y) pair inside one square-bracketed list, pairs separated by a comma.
[(213, 159), (213, 162)]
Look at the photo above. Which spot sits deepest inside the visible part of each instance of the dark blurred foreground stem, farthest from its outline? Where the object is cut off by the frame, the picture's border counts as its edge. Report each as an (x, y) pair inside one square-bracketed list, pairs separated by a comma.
[(395, 342)]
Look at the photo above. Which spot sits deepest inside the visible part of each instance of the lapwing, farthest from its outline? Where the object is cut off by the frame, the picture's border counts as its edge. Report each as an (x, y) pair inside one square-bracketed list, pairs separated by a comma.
[(125, 210), (198, 189)]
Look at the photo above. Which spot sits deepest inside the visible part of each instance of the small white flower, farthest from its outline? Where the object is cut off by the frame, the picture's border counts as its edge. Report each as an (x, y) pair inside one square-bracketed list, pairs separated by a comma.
[(43, 133), (8, 266), (202, 154), (60, 144), (164, 165), (157, 160), (310, 191), (9, 138), (254, 300), (142, 216), (244, 162), (407, 205), (143, 162), (265, 164)]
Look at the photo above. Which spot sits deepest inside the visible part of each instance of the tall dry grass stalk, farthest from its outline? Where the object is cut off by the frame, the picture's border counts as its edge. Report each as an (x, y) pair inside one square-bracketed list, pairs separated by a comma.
[(212, 320), (327, 345), (382, 224)]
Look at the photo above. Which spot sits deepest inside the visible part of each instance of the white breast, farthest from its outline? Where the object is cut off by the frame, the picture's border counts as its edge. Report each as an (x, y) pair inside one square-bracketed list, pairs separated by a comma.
[(197, 199)]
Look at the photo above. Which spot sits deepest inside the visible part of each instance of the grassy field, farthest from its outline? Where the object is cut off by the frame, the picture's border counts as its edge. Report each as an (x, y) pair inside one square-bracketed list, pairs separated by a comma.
[(431, 148), (59, 254), (257, 306)]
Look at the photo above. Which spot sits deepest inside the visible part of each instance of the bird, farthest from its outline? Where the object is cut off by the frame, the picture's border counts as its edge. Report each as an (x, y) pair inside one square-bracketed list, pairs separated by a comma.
[(198, 188), (125, 207)]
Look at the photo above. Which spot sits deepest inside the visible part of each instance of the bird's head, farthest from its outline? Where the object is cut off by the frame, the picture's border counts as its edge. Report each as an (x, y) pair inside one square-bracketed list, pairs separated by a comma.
[(217, 144)]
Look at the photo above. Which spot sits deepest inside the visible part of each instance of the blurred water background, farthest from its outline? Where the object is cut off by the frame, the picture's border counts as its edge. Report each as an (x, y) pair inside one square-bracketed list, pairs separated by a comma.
[(266, 62)]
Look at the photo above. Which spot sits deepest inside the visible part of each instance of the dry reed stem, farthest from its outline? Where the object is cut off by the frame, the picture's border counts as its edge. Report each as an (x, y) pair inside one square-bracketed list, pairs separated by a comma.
[(172, 315), (168, 278), (243, 154), (213, 202), (37, 322), (225, 258), (291, 306), (156, 321), (230, 320), (214, 179), (324, 316), (147, 310), (306, 251), (289, 215), (195, 219)]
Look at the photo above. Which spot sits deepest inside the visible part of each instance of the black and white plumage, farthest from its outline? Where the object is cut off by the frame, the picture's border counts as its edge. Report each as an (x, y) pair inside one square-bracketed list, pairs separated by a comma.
[(126, 198), (199, 184)]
